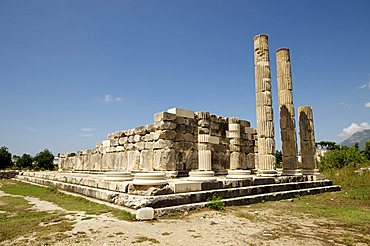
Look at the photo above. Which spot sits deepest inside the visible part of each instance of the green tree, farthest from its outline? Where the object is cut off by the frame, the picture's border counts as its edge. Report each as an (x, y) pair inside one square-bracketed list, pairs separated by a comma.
[(366, 150), (344, 156), (279, 158), (5, 158), (25, 161), (44, 160)]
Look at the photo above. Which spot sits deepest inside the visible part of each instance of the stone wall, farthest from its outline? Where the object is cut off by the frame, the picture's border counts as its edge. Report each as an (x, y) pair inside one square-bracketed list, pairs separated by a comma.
[(8, 174), (169, 144)]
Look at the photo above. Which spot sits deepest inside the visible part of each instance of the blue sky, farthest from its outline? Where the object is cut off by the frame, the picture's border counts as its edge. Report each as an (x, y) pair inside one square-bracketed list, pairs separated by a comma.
[(73, 71)]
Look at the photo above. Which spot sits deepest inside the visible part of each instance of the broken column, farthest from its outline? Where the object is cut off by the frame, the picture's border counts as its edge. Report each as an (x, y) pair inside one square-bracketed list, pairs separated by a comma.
[(204, 172), (236, 169), (265, 123), (287, 114), (307, 136)]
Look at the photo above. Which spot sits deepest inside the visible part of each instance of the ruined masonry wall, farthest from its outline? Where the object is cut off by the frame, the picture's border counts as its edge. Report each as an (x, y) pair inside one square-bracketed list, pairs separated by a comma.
[(169, 144)]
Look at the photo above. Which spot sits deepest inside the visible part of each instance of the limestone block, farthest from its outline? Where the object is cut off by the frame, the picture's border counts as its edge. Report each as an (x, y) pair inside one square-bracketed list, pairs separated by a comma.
[(266, 112), (235, 160), (181, 112), (181, 129), (146, 160), (166, 116), (181, 187), (264, 99), (140, 145), (131, 139), (166, 134), (133, 160), (183, 145), (236, 141), (165, 125), (122, 140), (146, 213), (149, 145), (234, 148), (203, 138), (137, 138), (161, 144), (130, 146), (141, 130), (122, 161), (251, 161), (234, 127), (204, 123), (150, 137), (202, 115), (165, 159), (232, 134), (106, 143), (244, 123)]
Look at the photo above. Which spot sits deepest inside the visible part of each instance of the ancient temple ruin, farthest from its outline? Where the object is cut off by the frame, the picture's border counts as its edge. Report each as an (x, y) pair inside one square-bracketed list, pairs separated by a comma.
[(184, 157)]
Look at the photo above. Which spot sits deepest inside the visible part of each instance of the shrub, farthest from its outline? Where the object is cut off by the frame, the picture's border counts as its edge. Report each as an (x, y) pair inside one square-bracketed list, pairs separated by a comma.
[(216, 203), (342, 157)]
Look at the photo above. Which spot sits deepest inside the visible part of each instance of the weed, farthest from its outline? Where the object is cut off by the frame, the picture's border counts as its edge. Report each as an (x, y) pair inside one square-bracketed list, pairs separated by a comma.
[(216, 203)]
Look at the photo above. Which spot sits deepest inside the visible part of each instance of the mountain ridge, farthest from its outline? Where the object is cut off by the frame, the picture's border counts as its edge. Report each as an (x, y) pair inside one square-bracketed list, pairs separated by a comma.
[(358, 137)]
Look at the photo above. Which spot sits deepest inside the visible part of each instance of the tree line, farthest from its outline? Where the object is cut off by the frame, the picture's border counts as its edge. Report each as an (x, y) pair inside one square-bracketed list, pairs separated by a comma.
[(43, 160)]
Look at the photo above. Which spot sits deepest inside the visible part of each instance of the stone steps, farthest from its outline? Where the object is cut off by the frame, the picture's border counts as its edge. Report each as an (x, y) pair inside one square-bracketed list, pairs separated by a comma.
[(190, 200), (250, 199)]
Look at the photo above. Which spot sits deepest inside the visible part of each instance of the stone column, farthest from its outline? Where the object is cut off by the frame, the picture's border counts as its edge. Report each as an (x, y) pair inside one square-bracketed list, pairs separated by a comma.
[(265, 118), (287, 114), (307, 136), (204, 172), (235, 171)]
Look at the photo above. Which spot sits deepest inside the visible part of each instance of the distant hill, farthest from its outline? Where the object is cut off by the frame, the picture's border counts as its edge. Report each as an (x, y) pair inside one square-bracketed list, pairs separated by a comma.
[(359, 137)]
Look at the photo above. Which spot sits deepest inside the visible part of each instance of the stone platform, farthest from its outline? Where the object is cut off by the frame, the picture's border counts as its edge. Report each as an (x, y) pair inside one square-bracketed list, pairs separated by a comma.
[(180, 194)]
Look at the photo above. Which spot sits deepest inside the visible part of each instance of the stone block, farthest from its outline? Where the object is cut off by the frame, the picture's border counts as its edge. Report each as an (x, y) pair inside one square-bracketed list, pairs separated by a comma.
[(106, 143), (161, 144), (234, 127), (166, 134), (146, 160), (164, 160), (166, 116), (181, 112), (165, 125), (145, 213), (180, 187)]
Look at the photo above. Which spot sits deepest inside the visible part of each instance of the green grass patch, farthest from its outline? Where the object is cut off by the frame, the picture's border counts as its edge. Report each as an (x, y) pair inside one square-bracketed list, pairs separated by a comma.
[(18, 220), (216, 203), (68, 202)]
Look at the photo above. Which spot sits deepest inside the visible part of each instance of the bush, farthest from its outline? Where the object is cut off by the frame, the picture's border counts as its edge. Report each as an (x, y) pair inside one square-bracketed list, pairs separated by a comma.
[(44, 160), (25, 161), (342, 157), (5, 158), (216, 203)]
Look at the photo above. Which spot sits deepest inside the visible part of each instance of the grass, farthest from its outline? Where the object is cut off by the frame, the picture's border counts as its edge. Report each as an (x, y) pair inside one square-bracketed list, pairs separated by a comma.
[(142, 239), (68, 202), (18, 220), (350, 207)]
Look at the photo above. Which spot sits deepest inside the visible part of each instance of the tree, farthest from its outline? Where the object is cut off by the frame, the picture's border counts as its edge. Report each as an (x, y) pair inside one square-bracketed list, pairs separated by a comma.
[(344, 156), (366, 150), (5, 158), (279, 158), (44, 160), (24, 161)]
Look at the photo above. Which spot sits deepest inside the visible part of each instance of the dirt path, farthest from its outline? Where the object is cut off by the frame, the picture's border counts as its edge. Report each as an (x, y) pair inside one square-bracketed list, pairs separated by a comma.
[(236, 226)]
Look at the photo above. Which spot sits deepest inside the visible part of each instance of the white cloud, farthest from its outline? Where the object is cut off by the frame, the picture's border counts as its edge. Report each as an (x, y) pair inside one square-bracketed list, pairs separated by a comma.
[(86, 132), (365, 85), (367, 105), (353, 128), (109, 99)]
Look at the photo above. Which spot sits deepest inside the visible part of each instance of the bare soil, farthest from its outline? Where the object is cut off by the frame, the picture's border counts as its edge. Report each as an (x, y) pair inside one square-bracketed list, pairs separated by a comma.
[(235, 226)]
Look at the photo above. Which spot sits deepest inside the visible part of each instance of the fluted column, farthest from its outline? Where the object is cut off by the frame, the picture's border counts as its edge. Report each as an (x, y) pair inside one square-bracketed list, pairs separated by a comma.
[(204, 172), (265, 118), (235, 171), (307, 137), (287, 114)]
